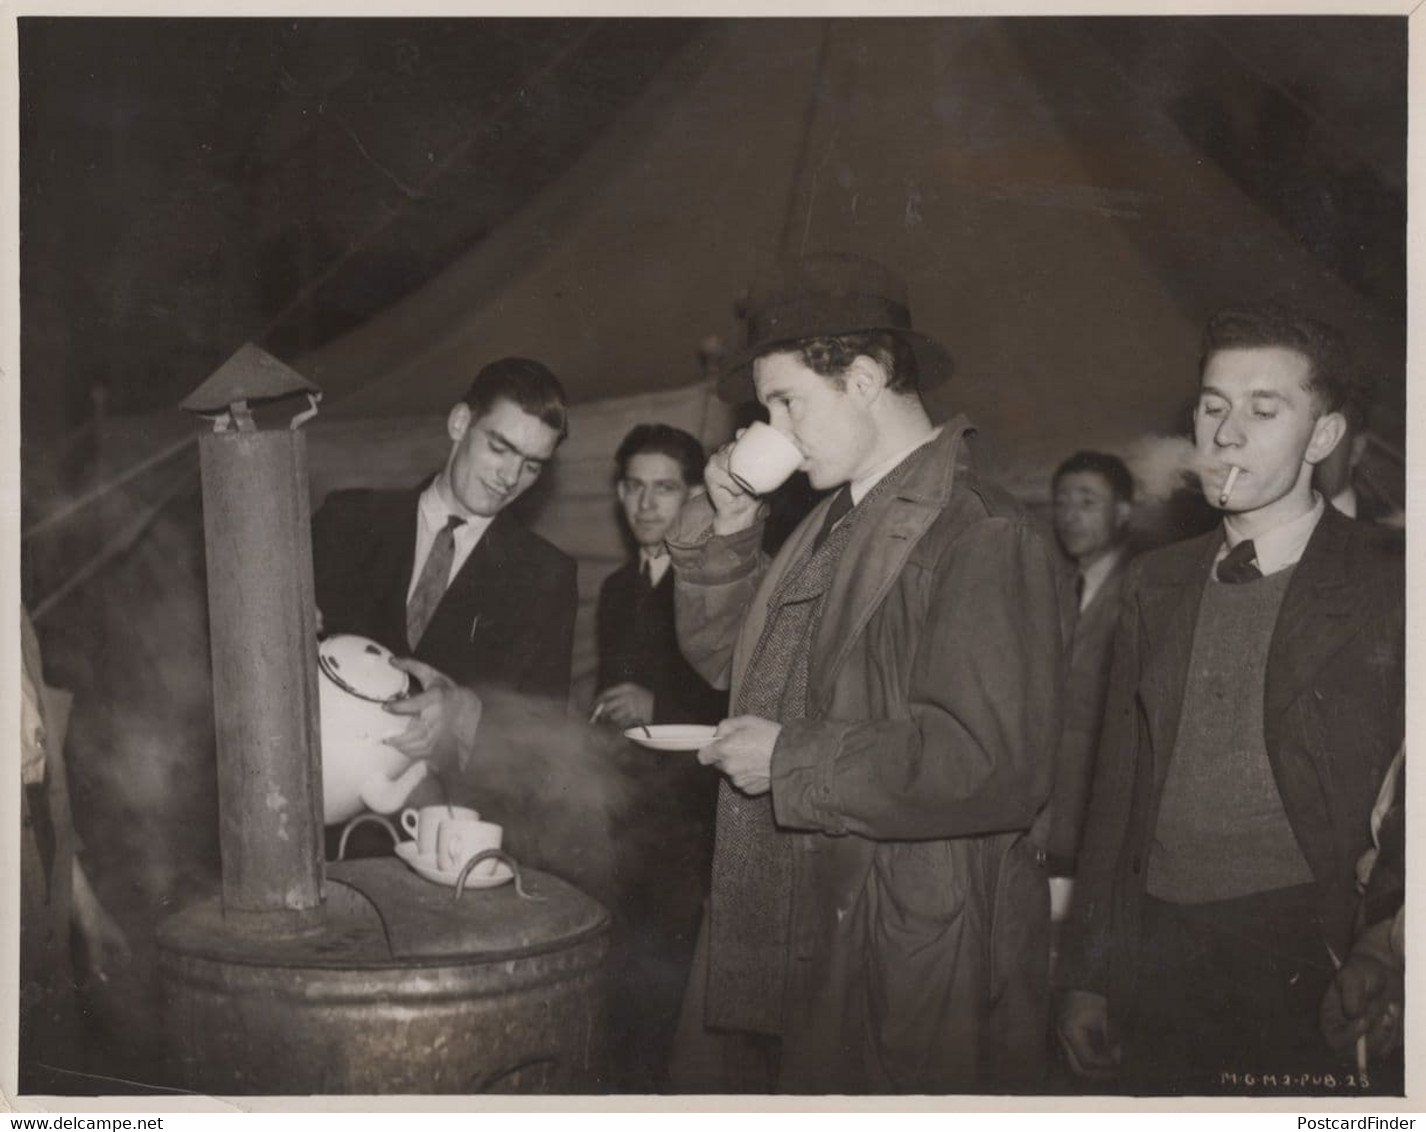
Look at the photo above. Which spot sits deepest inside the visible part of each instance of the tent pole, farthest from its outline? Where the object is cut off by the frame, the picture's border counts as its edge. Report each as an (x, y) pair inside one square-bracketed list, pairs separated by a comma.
[(799, 168)]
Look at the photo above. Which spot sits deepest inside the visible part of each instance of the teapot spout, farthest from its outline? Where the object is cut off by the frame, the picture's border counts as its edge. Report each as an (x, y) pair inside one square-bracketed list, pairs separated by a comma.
[(382, 795)]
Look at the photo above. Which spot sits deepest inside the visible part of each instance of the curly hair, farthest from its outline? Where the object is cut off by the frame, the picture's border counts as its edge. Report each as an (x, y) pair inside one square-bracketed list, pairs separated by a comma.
[(833, 355)]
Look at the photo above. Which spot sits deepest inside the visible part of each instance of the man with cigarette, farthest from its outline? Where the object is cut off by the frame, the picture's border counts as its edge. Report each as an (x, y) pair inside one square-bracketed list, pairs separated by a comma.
[(878, 918), (1255, 704), (447, 579)]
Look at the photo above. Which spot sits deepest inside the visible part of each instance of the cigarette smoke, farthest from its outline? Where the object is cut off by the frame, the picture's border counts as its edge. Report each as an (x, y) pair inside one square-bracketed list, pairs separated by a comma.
[(1164, 465)]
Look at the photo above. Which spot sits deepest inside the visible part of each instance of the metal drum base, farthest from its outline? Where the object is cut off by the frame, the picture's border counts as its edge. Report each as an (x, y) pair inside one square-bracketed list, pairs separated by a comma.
[(326, 1008)]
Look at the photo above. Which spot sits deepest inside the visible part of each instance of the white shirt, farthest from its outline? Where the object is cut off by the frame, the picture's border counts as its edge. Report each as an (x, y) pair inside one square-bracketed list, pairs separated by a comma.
[(863, 485), (1096, 573), (1280, 547), (658, 567), (431, 517)]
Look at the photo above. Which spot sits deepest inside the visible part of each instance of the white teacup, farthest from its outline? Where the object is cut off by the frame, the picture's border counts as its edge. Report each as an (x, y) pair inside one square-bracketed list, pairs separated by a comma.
[(425, 823), (762, 459), (460, 839)]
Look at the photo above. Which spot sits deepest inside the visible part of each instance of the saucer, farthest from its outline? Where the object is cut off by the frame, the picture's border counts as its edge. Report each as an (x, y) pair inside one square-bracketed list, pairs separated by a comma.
[(672, 736), (426, 867)]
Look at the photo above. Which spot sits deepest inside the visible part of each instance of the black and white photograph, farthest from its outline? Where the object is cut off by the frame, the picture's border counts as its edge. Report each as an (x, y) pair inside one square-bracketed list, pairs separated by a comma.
[(709, 556)]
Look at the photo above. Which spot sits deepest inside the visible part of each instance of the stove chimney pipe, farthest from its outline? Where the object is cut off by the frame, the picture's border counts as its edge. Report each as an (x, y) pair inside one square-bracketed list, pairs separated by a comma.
[(262, 620)]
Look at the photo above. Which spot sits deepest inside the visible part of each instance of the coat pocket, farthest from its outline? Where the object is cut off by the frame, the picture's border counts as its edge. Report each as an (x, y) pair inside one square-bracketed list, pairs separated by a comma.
[(925, 968)]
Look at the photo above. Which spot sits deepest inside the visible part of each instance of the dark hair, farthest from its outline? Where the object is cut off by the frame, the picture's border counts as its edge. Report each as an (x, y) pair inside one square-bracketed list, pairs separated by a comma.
[(1333, 383), (528, 384), (663, 440), (831, 356), (1101, 463)]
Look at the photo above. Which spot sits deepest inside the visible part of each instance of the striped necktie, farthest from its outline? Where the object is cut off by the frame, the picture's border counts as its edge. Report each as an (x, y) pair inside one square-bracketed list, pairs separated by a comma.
[(431, 587)]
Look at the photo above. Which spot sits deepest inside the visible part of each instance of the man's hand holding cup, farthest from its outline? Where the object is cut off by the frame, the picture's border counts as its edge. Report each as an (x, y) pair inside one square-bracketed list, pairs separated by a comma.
[(759, 460)]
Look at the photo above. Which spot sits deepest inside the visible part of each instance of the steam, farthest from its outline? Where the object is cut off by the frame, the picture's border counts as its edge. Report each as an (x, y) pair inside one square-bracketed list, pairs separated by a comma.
[(132, 646), (558, 785), (1164, 465)]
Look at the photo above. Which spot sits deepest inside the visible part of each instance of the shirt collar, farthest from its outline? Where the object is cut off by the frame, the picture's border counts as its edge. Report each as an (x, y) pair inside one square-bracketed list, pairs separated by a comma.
[(658, 564), (436, 512), (1282, 546), (1095, 574), (864, 484)]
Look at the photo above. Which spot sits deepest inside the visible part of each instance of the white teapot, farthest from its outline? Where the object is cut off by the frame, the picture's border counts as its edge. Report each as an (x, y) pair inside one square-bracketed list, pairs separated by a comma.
[(359, 770)]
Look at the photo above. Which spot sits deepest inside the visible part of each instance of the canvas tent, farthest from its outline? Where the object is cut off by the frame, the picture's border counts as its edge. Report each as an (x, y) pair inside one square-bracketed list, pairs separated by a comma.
[(1057, 230)]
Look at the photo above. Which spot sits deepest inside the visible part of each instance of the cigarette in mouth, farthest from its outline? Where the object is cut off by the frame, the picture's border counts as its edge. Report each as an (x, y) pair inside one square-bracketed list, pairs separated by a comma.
[(1233, 471)]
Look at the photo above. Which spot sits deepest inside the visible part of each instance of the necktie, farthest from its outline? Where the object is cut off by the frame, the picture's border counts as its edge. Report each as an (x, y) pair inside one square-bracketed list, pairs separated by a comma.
[(432, 584), (646, 574), (1079, 591), (1238, 566), (841, 504)]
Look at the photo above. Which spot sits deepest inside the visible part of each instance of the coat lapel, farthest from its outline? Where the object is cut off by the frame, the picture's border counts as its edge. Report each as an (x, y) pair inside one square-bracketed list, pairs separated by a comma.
[(466, 604), (395, 531), (1169, 601), (876, 552), (1315, 621)]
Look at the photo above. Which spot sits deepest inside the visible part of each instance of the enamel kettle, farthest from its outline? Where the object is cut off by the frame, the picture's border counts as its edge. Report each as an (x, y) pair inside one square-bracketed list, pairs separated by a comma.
[(359, 770)]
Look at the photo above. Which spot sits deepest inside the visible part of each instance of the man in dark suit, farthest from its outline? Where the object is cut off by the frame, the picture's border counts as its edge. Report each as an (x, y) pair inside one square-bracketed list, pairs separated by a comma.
[(1093, 503), (1255, 704), (443, 575), (643, 678)]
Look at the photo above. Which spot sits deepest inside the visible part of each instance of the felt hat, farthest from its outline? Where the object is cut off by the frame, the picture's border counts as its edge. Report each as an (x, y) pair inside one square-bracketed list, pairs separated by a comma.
[(821, 296)]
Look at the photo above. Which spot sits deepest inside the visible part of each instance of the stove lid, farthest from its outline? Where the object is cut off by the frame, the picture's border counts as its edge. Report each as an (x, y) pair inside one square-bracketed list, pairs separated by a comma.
[(379, 913), (426, 920)]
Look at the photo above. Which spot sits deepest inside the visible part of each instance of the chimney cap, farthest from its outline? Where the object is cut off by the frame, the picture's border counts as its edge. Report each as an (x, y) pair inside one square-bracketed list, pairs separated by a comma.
[(251, 374)]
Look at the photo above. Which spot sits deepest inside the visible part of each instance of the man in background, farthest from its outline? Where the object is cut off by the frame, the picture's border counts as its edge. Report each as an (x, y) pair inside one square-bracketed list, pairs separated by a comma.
[(643, 678), (667, 836), (57, 902), (1339, 477), (1255, 704), (1093, 495)]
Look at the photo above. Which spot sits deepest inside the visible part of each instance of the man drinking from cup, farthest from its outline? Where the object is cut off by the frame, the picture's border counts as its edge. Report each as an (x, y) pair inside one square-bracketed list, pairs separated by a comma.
[(878, 921)]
